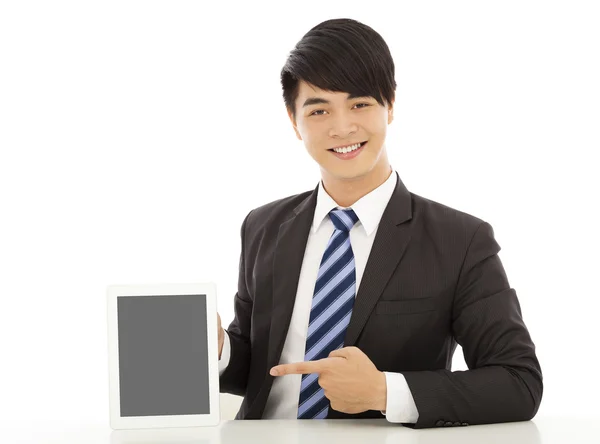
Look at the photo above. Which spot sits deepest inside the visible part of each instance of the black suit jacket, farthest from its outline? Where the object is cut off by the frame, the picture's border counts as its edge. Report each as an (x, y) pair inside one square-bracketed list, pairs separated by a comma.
[(433, 279)]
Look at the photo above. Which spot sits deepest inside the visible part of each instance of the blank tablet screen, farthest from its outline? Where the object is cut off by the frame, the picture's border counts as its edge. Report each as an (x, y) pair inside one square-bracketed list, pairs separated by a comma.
[(163, 355)]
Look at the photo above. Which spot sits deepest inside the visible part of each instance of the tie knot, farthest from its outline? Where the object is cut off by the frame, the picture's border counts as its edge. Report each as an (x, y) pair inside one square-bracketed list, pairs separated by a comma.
[(343, 220)]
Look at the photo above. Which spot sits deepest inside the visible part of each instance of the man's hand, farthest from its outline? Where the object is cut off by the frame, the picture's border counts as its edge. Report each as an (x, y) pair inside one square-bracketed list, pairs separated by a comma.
[(221, 335), (348, 377)]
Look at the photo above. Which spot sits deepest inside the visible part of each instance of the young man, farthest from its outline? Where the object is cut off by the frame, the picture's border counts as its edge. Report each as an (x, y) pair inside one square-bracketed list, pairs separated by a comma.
[(353, 296)]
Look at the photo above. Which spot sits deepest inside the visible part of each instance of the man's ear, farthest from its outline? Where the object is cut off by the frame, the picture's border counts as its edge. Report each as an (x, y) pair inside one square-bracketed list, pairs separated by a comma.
[(294, 124), (390, 112)]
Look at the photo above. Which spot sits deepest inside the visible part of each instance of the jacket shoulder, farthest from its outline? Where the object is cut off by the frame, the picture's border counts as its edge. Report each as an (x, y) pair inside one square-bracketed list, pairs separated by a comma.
[(276, 211), (436, 216)]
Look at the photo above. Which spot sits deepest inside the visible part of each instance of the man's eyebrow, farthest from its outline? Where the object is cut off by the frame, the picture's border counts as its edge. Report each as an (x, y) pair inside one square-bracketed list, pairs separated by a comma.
[(319, 100)]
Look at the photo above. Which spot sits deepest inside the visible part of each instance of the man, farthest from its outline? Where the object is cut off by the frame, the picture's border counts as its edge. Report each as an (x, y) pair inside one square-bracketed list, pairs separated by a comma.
[(352, 297)]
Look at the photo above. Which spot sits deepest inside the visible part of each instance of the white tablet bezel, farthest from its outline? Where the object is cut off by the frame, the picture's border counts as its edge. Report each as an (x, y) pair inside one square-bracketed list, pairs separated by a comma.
[(211, 419)]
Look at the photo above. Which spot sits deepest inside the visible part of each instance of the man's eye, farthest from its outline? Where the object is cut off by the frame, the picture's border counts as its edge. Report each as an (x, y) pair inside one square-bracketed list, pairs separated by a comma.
[(315, 113)]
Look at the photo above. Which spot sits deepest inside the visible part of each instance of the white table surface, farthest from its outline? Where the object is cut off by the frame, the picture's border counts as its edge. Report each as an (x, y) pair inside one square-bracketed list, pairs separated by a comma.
[(366, 431)]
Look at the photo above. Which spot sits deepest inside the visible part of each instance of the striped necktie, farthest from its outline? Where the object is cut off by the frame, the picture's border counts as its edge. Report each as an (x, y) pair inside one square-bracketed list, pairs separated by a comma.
[(332, 304)]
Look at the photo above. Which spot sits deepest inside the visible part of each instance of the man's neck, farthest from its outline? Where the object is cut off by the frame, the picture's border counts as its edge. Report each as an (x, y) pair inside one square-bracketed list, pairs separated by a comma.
[(346, 192)]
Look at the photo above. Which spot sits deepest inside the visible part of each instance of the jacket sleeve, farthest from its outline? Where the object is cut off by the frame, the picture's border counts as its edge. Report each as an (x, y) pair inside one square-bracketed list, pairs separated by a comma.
[(504, 380), (234, 378)]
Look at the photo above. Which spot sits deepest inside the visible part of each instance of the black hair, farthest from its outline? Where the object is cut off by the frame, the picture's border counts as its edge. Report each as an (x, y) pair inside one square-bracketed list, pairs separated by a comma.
[(341, 55)]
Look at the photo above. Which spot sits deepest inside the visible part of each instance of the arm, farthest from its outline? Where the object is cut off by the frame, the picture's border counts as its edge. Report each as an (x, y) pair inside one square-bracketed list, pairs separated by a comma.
[(504, 380), (234, 378)]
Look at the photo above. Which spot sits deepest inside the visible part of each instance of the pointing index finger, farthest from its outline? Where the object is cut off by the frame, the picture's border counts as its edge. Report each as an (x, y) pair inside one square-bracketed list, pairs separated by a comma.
[(299, 368)]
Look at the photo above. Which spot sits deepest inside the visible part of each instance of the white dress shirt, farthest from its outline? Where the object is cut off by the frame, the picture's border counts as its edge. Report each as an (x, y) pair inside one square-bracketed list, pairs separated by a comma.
[(282, 402)]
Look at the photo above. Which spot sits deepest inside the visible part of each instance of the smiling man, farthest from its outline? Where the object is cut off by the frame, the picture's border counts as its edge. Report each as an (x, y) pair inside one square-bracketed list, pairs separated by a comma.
[(345, 134), (353, 296)]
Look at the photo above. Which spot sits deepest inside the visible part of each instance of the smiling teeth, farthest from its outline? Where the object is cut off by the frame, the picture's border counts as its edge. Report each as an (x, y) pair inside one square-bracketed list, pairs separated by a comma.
[(347, 149)]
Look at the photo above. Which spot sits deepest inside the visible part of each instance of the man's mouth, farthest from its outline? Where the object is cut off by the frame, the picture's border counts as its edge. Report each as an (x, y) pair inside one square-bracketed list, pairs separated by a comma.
[(347, 149)]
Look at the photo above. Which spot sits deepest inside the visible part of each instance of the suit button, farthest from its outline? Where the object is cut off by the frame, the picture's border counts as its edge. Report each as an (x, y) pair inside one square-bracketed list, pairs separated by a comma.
[(457, 423), (439, 423), (465, 423), (447, 424)]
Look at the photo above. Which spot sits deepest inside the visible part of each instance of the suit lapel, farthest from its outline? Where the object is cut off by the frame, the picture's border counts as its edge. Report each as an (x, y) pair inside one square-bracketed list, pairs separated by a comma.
[(287, 263), (388, 248)]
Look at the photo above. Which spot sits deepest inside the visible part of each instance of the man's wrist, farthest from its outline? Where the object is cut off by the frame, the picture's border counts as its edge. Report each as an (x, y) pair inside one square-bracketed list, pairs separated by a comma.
[(380, 401)]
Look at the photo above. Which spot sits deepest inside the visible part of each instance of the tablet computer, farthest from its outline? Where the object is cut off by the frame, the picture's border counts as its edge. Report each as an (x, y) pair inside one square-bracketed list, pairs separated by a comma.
[(162, 355)]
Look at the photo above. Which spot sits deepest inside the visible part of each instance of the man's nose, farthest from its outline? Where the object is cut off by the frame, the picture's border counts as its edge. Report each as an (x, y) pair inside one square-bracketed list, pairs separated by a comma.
[(342, 126)]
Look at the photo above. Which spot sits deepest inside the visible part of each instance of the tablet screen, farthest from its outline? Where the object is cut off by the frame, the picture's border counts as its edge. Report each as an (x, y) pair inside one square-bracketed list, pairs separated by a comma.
[(163, 355)]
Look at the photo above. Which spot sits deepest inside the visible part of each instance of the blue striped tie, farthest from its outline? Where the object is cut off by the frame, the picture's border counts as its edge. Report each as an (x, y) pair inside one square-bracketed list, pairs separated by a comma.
[(332, 303)]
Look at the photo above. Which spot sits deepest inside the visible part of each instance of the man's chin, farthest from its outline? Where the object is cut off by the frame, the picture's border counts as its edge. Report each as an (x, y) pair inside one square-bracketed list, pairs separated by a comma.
[(347, 174)]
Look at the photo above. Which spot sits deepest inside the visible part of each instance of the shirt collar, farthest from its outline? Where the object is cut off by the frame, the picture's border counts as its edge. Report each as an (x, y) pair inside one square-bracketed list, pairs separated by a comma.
[(368, 208)]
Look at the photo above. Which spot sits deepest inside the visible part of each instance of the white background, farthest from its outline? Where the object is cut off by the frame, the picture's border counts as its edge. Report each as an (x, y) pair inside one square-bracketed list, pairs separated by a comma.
[(135, 136)]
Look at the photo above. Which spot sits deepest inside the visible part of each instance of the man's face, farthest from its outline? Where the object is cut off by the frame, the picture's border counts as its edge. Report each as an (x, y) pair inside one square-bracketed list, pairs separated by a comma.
[(325, 120)]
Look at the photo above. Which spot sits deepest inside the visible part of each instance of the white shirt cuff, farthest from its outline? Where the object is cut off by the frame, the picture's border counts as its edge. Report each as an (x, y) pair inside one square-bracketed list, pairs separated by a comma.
[(225, 353), (400, 405)]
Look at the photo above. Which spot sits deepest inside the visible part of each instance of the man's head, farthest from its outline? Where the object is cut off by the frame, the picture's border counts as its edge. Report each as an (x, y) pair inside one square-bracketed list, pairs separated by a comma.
[(339, 88)]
